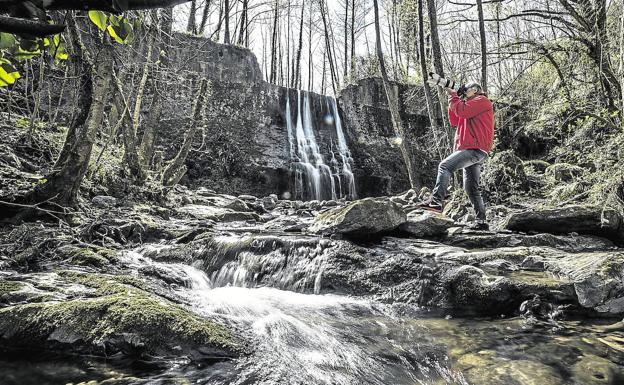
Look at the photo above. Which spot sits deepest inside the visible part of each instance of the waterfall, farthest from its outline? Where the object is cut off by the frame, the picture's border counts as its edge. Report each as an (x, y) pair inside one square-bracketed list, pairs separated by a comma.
[(345, 154), (313, 178)]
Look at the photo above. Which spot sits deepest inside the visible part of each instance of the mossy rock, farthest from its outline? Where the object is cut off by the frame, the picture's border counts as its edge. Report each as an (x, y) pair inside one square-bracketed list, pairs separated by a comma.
[(8, 289), (123, 319), (97, 257), (564, 172)]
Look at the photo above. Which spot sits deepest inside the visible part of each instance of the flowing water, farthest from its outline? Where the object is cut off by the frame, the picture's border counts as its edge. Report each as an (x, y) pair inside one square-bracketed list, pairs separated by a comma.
[(338, 340), (314, 179)]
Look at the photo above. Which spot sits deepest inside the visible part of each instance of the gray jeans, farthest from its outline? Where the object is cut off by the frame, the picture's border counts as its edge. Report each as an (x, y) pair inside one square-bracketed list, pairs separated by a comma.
[(470, 161)]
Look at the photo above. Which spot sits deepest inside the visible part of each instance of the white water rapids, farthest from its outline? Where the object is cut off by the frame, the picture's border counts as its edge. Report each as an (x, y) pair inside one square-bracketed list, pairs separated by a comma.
[(308, 339)]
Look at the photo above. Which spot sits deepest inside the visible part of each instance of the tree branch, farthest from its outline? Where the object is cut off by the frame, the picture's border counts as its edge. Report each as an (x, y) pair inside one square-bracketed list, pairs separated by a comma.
[(20, 26)]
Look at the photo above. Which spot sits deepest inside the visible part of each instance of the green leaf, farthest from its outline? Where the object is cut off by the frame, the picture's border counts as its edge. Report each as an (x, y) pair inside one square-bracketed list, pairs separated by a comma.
[(7, 41), (123, 34), (57, 48), (8, 73), (23, 54), (115, 20), (99, 18)]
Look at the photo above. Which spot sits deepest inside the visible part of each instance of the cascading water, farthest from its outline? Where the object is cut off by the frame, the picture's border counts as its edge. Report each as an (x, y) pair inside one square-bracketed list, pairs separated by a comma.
[(344, 152), (301, 338), (313, 178)]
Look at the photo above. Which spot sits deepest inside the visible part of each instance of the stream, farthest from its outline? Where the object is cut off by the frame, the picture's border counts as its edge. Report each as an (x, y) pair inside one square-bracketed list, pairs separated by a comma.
[(330, 339)]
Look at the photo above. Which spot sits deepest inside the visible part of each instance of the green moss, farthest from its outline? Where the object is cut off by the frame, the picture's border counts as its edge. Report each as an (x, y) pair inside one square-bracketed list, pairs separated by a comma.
[(121, 310), (7, 287), (86, 257), (104, 284), (95, 257)]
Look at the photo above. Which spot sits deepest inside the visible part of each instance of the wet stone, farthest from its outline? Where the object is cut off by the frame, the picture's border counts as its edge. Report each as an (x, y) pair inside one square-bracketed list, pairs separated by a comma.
[(594, 370), (366, 216), (516, 372), (426, 224)]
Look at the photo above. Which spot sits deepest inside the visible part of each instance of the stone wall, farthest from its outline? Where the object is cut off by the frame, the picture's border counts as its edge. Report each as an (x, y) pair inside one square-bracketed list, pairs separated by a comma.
[(379, 165), (244, 147)]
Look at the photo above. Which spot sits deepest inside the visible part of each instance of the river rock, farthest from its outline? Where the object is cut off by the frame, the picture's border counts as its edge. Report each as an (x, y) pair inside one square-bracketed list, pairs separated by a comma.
[(598, 278), (515, 372), (361, 217), (576, 218), (219, 214), (426, 224), (571, 243), (269, 202), (120, 318), (594, 370)]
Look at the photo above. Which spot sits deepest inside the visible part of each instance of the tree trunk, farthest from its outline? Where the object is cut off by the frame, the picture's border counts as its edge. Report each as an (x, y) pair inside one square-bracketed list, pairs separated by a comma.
[(82, 69), (61, 187), (393, 104), (176, 168), (310, 68), (226, 16), (328, 49), (204, 19), (190, 26), (297, 71), (243, 24), (146, 149), (433, 121), (437, 65), (346, 40), (273, 77), (353, 38), (483, 46), (128, 130), (217, 32)]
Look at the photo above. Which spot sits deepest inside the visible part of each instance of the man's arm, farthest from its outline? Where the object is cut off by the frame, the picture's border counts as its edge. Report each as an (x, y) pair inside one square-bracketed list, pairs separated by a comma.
[(468, 108), (453, 119)]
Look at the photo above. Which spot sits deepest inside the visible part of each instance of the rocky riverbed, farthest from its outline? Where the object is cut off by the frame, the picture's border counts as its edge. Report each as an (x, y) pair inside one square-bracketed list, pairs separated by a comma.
[(216, 289)]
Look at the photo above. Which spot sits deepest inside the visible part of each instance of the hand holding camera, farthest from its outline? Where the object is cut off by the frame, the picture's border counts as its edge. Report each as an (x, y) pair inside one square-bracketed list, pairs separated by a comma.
[(437, 80)]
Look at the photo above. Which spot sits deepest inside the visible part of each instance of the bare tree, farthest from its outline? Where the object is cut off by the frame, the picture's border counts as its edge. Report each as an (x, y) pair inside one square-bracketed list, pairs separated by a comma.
[(190, 26), (483, 46), (393, 104), (176, 168), (297, 70), (226, 17)]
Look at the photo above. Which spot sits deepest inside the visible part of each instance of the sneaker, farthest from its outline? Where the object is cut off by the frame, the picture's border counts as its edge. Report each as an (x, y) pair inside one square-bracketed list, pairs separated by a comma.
[(431, 206), (479, 226)]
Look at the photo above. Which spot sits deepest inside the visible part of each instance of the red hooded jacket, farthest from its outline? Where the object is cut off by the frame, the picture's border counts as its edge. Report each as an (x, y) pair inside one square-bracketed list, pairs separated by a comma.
[(474, 119)]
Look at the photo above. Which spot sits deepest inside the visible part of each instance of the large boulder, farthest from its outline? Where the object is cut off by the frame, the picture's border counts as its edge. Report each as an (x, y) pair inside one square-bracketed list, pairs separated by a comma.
[(121, 318), (361, 217), (218, 214), (598, 278), (571, 219), (426, 224)]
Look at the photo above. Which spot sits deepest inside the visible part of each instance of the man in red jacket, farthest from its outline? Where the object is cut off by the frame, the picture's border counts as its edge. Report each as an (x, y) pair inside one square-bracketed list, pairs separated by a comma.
[(473, 115)]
